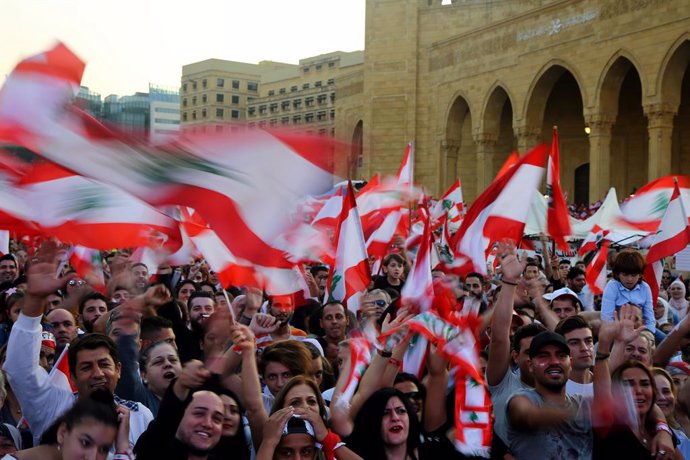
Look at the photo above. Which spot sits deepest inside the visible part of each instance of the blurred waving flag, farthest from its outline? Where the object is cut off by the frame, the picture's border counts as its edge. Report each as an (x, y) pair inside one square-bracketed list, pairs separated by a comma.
[(245, 186)]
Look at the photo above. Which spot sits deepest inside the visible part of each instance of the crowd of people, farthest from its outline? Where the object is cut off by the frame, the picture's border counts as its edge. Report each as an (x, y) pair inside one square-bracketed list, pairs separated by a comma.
[(177, 366)]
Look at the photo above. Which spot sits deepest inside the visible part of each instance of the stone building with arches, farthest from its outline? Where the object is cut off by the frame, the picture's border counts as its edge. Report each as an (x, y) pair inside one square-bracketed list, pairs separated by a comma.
[(470, 81)]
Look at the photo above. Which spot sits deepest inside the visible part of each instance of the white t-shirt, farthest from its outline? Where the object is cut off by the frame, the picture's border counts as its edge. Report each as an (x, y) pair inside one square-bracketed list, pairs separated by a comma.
[(585, 389)]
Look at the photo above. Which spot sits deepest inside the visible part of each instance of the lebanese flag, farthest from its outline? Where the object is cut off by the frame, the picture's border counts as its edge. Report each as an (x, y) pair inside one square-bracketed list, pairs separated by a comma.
[(4, 242), (59, 375), (557, 218), (245, 185), (349, 276), (419, 287), (500, 212), (450, 205), (90, 213), (89, 266), (595, 272), (378, 245), (645, 209), (592, 240), (672, 236), (406, 171), (232, 270)]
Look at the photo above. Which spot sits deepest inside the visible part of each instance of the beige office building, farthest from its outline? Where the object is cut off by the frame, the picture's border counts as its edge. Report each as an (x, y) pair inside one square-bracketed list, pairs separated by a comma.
[(470, 81)]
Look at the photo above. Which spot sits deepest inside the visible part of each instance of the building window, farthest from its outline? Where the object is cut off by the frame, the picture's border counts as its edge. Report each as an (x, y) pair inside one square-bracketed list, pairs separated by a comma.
[(194, 100), (194, 85), (309, 117), (331, 81), (251, 111), (252, 86), (305, 69), (285, 121), (184, 87), (318, 66), (274, 122), (262, 109), (235, 114), (322, 131), (321, 116), (235, 99), (331, 65), (219, 113), (194, 115), (305, 86), (293, 89), (204, 99), (332, 114), (184, 116), (220, 82), (332, 97), (235, 84), (271, 92), (220, 97), (321, 99), (250, 100), (285, 105), (282, 90), (203, 113), (309, 101), (184, 102), (297, 103), (274, 107), (318, 84), (204, 83), (297, 119)]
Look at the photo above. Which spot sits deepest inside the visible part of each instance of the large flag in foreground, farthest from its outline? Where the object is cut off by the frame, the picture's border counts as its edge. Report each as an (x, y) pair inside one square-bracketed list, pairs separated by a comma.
[(349, 275), (244, 186), (673, 236), (500, 212), (557, 217)]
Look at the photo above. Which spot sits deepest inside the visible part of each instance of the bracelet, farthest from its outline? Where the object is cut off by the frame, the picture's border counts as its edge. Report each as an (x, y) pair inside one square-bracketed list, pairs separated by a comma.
[(329, 444), (123, 455), (510, 283), (395, 362), (385, 353), (663, 426), (602, 356)]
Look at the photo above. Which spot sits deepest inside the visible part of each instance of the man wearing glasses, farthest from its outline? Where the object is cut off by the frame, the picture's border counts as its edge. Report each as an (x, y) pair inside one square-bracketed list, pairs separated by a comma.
[(373, 304)]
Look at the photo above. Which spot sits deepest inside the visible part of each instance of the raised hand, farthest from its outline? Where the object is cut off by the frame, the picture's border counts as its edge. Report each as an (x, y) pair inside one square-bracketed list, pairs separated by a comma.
[(122, 439), (403, 315), (263, 324), (626, 316), (192, 375), (242, 337), (157, 296), (511, 267)]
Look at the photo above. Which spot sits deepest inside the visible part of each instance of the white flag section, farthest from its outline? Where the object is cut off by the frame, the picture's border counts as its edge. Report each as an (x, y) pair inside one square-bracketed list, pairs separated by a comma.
[(672, 236), (349, 276), (4, 242), (406, 171)]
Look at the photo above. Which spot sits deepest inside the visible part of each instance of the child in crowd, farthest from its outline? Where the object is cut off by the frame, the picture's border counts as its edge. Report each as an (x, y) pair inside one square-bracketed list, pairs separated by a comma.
[(627, 287)]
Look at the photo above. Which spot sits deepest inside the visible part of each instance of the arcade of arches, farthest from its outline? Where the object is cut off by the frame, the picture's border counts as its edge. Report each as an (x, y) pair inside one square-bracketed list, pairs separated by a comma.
[(472, 81)]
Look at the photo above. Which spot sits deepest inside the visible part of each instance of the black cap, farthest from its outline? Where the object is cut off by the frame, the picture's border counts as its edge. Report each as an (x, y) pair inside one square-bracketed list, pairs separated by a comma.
[(547, 338)]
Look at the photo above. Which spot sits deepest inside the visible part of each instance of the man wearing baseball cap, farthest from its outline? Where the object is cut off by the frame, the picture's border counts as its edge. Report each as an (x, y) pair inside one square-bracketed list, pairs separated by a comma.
[(679, 372), (545, 422), (564, 303)]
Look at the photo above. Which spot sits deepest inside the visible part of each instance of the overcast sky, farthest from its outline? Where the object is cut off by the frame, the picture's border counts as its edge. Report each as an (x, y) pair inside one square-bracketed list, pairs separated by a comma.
[(127, 44)]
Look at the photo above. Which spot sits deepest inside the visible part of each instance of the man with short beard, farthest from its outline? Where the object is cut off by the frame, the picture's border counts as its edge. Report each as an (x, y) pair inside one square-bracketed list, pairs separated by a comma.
[(8, 269), (92, 307), (546, 422), (282, 309), (578, 335), (140, 272), (201, 306), (334, 322)]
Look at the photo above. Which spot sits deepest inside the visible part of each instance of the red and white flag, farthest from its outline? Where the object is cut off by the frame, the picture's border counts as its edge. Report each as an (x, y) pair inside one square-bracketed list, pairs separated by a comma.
[(557, 217), (450, 206), (245, 186), (59, 375), (646, 207), (418, 289), (592, 240), (406, 171), (89, 266), (379, 243), (500, 212), (595, 272), (349, 276), (511, 161), (672, 236), (90, 213)]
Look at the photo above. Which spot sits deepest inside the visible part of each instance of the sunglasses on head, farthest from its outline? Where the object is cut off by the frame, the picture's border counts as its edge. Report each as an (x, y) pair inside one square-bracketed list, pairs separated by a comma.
[(74, 282)]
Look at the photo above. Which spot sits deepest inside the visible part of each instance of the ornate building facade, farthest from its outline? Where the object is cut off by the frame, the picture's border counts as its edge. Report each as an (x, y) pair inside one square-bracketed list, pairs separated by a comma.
[(471, 81)]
